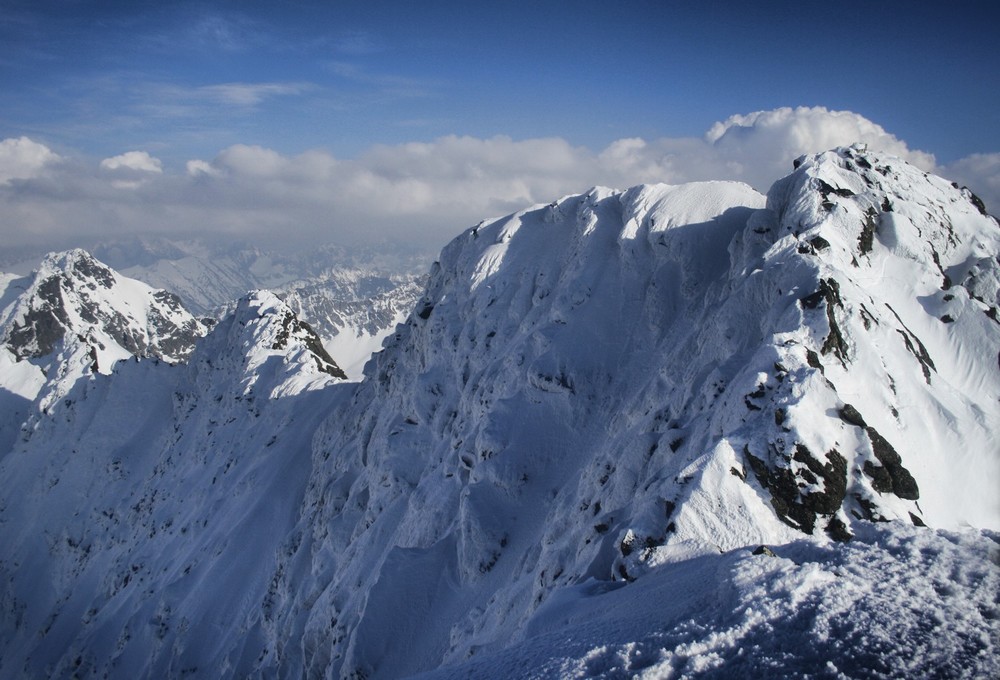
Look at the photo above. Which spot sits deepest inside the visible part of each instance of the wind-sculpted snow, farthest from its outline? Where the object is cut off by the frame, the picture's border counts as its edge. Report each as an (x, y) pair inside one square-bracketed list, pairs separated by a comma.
[(610, 383), (893, 603), (595, 412)]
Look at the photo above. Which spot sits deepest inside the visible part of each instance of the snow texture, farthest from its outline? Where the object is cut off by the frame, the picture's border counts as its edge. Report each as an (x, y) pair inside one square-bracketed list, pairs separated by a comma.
[(561, 464), (894, 602)]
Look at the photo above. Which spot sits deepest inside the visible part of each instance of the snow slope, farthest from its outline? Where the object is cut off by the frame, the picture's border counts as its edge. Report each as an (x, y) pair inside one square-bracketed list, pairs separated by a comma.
[(894, 602), (560, 463), (166, 490), (75, 316)]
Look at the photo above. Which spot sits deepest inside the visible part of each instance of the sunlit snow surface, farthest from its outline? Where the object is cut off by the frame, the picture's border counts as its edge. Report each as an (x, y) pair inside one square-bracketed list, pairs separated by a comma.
[(561, 462), (894, 602)]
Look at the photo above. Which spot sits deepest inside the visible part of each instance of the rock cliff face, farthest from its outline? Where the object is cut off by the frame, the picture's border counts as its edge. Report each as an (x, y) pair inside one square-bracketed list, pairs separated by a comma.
[(75, 317), (72, 294), (591, 401)]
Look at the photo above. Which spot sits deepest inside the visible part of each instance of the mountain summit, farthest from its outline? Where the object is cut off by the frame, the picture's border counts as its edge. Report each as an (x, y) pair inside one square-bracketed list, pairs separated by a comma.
[(72, 293), (672, 430), (73, 317)]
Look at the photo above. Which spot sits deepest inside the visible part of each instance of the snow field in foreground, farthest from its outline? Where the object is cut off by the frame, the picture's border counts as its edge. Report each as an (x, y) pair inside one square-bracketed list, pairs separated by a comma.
[(897, 601)]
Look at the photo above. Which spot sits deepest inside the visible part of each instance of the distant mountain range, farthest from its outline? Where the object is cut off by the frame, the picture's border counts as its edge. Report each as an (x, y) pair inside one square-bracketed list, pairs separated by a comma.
[(669, 431), (352, 298)]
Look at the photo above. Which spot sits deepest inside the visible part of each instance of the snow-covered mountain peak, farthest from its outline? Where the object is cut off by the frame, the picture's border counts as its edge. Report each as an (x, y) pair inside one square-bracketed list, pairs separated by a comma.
[(78, 263), (563, 461), (859, 201), (264, 347), (75, 316), (794, 382), (73, 295)]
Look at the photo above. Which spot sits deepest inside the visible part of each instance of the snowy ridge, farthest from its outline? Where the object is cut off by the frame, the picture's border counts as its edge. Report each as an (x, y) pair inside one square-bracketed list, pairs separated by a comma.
[(352, 299), (595, 388), (271, 346), (595, 404), (166, 490), (909, 286)]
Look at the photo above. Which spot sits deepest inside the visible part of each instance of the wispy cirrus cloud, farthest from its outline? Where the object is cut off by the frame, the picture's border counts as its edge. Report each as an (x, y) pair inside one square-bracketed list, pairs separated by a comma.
[(357, 44), (385, 82), (230, 32), (246, 94), (141, 98), (204, 29)]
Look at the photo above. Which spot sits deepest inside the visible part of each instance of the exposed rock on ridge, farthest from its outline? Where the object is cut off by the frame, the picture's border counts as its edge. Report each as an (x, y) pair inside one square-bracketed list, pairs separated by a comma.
[(74, 294), (618, 362)]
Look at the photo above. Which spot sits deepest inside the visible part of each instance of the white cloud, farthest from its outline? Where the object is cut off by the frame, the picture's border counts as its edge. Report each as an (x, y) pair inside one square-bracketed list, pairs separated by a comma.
[(133, 160), (198, 167), (22, 158), (787, 133), (251, 161), (249, 94), (422, 192)]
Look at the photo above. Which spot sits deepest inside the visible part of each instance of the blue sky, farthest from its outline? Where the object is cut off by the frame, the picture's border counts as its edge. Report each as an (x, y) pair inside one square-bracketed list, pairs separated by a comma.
[(186, 81)]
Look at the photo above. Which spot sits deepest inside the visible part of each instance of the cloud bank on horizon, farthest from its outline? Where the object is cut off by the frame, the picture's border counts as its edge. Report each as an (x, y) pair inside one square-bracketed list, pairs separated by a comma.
[(421, 194)]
